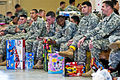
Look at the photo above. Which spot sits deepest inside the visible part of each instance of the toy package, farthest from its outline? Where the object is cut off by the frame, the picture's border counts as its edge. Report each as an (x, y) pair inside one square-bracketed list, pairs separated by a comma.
[(95, 65), (55, 64), (69, 13), (15, 51), (46, 50), (29, 62), (74, 69)]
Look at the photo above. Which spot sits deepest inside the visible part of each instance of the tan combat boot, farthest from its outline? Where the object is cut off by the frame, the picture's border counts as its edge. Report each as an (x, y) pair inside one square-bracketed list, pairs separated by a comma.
[(88, 74), (39, 65), (3, 63), (68, 53)]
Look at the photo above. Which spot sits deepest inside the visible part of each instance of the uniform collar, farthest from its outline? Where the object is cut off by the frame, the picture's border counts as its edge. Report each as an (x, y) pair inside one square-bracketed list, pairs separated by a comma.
[(109, 17)]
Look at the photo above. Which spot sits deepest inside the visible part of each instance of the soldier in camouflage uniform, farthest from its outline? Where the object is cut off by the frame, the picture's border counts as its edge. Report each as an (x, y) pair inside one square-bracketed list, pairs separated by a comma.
[(19, 11), (71, 7), (50, 31), (61, 8), (97, 39), (12, 33), (8, 18), (2, 18), (87, 24), (37, 45), (114, 57), (64, 32), (37, 29)]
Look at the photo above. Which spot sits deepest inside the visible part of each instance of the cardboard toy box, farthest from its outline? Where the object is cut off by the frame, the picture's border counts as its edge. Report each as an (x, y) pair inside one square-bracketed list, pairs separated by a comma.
[(46, 50), (68, 13), (73, 69), (15, 51), (95, 65), (55, 63), (29, 62)]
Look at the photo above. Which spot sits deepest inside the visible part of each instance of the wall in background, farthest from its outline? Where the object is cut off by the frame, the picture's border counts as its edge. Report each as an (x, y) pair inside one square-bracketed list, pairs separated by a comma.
[(44, 4)]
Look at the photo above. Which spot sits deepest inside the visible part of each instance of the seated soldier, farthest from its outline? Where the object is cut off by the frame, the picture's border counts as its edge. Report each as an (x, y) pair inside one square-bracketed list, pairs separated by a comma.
[(71, 6), (98, 37), (8, 18), (61, 8), (16, 28), (65, 32), (10, 33), (114, 57), (87, 24), (75, 19), (37, 46), (19, 11), (42, 14)]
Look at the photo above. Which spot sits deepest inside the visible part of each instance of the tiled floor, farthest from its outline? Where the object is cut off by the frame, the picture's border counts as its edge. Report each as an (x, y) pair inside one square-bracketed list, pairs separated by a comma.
[(33, 75)]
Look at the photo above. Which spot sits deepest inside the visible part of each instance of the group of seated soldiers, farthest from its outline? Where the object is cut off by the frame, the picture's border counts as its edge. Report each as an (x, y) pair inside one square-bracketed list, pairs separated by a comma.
[(73, 37)]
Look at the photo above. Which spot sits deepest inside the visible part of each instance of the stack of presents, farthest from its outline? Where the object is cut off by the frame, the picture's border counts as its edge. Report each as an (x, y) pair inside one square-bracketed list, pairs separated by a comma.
[(53, 62)]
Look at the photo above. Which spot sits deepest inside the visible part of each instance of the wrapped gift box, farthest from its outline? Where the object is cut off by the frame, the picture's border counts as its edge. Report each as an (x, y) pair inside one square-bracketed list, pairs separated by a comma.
[(15, 50)]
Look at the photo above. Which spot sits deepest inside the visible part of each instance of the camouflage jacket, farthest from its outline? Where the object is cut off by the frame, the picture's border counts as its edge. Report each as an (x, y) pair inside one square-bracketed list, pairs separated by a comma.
[(65, 33), (37, 29), (87, 24), (22, 12), (71, 8), (108, 26)]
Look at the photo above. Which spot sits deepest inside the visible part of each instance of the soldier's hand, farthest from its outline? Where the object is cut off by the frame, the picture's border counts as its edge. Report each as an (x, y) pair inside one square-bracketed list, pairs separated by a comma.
[(80, 42), (39, 39), (90, 45), (2, 33), (48, 27), (23, 31), (69, 42), (17, 29)]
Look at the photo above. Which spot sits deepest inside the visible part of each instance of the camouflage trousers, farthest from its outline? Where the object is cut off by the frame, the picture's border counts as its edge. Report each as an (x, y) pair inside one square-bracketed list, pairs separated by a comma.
[(29, 45), (98, 47), (63, 47), (38, 49), (114, 58), (75, 41), (9, 37)]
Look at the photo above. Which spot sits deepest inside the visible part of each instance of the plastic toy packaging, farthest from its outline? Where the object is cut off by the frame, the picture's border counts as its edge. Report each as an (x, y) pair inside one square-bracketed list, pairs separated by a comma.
[(15, 51), (29, 62), (101, 75), (55, 63), (74, 69)]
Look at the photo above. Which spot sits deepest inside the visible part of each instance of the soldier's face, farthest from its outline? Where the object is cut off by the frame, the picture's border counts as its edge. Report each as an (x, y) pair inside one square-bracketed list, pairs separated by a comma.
[(71, 20), (63, 5), (85, 9), (18, 9), (61, 22), (42, 14), (9, 15), (33, 14), (22, 20), (50, 20), (105, 9)]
